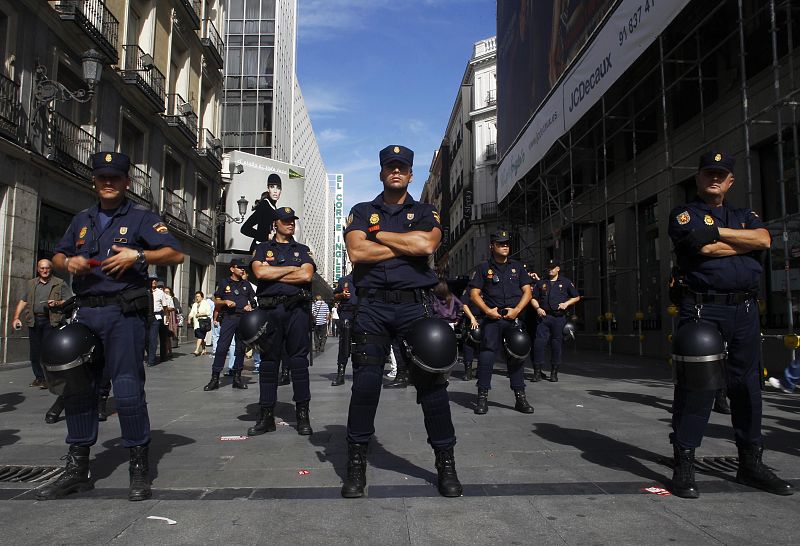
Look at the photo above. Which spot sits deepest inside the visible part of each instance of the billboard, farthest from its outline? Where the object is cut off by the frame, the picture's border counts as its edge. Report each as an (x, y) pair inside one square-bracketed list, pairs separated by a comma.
[(265, 184), (536, 41), (627, 31), (338, 226)]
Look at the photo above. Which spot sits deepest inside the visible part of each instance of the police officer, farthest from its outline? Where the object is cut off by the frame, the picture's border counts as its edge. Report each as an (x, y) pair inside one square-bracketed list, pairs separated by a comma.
[(345, 294), (284, 270), (500, 288), (235, 297), (389, 241), (718, 249), (107, 249), (551, 297)]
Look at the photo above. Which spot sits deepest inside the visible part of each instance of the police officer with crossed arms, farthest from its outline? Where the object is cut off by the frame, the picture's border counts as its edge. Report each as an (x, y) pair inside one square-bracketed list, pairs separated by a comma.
[(500, 288), (718, 249), (234, 296), (389, 241), (284, 270), (107, 249)]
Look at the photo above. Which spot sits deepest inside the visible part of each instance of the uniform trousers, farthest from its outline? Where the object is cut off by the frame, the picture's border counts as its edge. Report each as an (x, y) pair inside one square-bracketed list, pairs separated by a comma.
[(390, 321), (345, 328), (291, 343), (550, 329), (491, 346), (123, 338), (227, 332), (739, 325)]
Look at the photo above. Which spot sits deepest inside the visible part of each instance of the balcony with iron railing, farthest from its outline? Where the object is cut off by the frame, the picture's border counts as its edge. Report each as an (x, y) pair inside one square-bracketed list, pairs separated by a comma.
[(491, 151), (180, 114), (203, 226), (491, 97), (138, 70), (71, 146), (174, 210), (213, 46), (192, 11), (9, 107), (139, 189), (95, 20), (210, 147), (489, 210)]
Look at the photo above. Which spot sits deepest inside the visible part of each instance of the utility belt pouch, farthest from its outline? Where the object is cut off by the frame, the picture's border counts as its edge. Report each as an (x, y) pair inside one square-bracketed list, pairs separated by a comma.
[(137, 300)]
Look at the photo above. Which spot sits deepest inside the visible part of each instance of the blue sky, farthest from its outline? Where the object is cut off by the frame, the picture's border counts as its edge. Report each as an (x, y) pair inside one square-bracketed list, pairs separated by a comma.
[(380, 72)]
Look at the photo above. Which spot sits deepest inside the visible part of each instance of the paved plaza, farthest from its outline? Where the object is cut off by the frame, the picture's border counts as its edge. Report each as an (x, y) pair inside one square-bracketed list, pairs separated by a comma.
[(586, 467)]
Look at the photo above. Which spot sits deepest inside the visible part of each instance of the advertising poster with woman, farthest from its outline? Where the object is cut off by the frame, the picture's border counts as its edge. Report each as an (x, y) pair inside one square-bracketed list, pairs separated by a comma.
[(265, 184)]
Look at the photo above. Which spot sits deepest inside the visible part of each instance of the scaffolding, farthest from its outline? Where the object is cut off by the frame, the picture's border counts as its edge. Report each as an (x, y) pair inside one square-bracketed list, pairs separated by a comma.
[(721, 75)]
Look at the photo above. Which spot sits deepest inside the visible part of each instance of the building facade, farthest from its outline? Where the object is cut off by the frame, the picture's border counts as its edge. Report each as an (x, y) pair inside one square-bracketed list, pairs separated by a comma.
[(597, 196), (157, 100), (462, 178)]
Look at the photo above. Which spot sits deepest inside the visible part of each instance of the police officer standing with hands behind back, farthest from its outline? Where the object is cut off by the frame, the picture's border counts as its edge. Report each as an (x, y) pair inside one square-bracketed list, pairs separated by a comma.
[(718, 250), (345, 294), (501, 288), (284, 270), (107, 249), (235, 297), (389, 241)]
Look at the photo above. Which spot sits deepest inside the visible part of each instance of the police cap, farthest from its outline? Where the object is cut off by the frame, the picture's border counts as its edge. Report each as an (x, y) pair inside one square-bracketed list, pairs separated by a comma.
[(501, 236), (238, 262), (285, 214), (396, 153), (553, 263), (716, 160), (110, 164)]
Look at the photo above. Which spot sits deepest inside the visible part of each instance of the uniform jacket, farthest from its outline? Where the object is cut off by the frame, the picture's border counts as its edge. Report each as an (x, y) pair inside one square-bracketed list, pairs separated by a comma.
[(273, 253), (551, 293), (500, 284)]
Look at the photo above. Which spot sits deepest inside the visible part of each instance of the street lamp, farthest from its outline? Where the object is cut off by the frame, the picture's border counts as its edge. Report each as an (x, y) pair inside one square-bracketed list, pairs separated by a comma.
[(225, 218), (48, 90)]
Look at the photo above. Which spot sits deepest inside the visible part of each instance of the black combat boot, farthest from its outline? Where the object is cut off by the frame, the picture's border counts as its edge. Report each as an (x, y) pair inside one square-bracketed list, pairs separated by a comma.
[(554, 373), (483, 400), (102, 410), (353, 486), (284, 379), (140, 474), (447, 481), (399, 382), (721, 402), (237, 380), (683, 484), (756, 474), (265, 423), (522, 404), (54, 412), (537, 373), (214, 383), (303, 419), (339, 376), (76, 476), (468, 372)]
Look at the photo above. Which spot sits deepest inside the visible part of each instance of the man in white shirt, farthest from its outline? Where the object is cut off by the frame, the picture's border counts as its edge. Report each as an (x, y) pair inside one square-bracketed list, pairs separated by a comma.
[(159, 300)]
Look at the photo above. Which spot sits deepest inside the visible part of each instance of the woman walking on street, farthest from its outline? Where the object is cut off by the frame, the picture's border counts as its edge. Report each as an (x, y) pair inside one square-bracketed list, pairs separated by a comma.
[(200, 315)]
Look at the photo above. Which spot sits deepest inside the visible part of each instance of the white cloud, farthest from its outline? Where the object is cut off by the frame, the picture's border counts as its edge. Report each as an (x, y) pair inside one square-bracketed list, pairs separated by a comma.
[(330, 136), (323, 102)]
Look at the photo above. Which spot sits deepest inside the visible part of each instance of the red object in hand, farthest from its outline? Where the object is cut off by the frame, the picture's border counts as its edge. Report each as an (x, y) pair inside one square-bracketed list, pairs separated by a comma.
[(95, 263)]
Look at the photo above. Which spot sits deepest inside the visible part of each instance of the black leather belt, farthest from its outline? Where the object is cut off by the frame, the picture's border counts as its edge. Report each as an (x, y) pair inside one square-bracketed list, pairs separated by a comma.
[(270, 302), (409, 295), (97, 301), (730, 298), (555, 312)]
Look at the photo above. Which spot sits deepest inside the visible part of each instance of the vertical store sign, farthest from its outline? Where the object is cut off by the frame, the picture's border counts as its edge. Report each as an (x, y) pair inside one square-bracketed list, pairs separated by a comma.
[(338, 237)]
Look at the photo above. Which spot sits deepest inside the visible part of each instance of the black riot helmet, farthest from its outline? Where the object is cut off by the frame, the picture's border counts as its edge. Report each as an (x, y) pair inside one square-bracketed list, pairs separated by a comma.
[(256, 330), (698, 356), (569, 330), (475, 336), (517, 343), (431, 345), (66, 355)]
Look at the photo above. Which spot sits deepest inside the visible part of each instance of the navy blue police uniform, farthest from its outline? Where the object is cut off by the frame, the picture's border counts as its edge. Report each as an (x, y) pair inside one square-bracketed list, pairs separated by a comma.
[(550, 329), (501, 286), (392, 294), (467, 347), (346, 310), (723, 291), (241, 293), (106, 306), (289, 311)]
